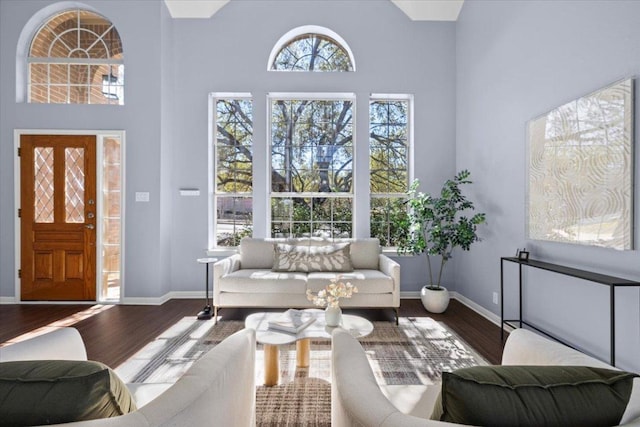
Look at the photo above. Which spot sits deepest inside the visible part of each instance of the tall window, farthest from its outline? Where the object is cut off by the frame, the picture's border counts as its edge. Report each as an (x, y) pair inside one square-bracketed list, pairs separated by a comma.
[(311, 48), (76, 58), (233, 168), (389, 148), (311, 166)]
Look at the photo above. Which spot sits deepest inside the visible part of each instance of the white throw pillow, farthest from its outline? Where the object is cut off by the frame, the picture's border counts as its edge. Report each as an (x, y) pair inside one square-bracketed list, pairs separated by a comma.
[(312, 258)]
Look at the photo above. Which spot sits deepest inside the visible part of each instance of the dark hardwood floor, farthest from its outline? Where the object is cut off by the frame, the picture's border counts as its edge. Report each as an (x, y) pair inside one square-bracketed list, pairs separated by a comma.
[(112, 334)]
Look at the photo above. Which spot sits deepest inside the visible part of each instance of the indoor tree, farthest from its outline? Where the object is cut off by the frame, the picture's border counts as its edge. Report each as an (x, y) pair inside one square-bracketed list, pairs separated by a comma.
[(435, 226)]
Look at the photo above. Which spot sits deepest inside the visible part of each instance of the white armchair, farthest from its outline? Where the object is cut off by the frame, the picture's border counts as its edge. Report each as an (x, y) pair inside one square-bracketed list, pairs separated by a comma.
[(219, 389)]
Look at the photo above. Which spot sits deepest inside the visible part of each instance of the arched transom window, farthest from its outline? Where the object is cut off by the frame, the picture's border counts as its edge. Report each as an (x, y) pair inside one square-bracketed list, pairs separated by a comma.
[(311, 48), (76, 57)]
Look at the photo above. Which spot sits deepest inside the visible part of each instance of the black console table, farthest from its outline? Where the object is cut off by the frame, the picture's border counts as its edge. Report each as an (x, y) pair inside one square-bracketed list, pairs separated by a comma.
[(602, 279)]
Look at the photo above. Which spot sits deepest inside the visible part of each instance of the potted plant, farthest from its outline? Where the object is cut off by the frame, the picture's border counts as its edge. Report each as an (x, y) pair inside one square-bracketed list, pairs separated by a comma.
[(435, 226)]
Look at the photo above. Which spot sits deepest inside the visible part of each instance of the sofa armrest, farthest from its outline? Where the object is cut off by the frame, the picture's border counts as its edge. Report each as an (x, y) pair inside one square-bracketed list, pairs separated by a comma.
[(220, 269), (356, 398), (60, 344), (392, 269)]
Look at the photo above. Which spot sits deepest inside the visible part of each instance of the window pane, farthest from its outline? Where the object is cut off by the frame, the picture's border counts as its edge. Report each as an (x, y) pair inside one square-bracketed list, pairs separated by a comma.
[(389, 166), (233, 159), (385, 214), (233, 220), (312, 52), (43, 184), (66, 38), (74, 185), (389, 153), (311, 153), (112, 219)]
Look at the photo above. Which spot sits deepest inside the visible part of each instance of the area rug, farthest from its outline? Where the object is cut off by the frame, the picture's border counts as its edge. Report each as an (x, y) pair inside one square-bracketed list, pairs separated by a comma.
[(415, 352)]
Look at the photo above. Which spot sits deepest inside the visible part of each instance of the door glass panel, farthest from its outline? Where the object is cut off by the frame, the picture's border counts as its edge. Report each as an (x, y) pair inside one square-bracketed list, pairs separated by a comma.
[(43, 184), (112, 218), (74, 184)]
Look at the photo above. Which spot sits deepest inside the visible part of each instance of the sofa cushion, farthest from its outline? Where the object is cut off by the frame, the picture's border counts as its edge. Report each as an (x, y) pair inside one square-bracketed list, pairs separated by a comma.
[(364, 254), (256, 253), (36, 392), (263, 281), (534, 396), (335, 258), (367, 281)]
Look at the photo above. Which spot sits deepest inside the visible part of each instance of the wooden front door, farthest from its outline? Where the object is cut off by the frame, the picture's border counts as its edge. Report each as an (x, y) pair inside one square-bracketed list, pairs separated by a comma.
[(58, 217)]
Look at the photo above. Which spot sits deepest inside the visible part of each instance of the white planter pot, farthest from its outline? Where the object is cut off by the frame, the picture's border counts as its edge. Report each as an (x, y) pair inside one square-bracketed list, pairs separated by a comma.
[(435, 301), (333, 316)]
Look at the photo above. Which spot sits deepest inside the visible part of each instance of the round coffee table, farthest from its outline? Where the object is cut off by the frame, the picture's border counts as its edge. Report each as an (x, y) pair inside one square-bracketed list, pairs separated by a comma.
[(271, 339)]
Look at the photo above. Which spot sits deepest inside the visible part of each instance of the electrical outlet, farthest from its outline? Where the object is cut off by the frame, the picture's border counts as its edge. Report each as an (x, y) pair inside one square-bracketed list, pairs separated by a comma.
[(495, 298)]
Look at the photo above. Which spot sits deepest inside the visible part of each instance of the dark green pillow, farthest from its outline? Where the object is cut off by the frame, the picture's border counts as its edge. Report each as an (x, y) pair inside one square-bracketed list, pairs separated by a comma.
[(536, 396), (36, 392)]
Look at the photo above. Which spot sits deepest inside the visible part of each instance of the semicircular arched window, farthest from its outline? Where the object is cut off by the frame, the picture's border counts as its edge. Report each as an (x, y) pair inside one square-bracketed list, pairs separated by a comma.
[(76, 57), (311, 51)]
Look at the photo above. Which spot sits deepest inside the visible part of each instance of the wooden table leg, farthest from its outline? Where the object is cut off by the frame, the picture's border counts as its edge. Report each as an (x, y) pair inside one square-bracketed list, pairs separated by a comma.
[(271, 365), (302, 352)]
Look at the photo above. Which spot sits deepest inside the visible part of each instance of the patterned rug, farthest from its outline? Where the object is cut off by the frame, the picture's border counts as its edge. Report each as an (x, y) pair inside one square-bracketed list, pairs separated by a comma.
[(413, 353)]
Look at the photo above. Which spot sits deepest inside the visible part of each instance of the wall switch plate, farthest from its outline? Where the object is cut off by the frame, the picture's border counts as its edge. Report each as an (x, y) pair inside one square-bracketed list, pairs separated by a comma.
[(142, 196), (495, 298)]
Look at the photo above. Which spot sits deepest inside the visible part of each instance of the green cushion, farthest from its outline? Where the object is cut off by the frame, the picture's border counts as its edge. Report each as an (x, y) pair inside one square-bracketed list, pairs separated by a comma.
[(36, 392), (534, 396)]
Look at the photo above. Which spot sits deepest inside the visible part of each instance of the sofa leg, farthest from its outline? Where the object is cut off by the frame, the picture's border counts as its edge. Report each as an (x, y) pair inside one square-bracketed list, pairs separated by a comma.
[(397, 312), (215, 314)]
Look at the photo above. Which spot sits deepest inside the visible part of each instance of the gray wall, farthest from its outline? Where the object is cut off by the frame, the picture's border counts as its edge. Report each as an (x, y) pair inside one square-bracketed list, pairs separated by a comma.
[(229, 53), (172, 65), (516, 61), (138, 25)]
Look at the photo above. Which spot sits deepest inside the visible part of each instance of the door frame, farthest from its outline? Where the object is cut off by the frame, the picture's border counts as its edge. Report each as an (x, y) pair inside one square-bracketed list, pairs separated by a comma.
[(100, 135)]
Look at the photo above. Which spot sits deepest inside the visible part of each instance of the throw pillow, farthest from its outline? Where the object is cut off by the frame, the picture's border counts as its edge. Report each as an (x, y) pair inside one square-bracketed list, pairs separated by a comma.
[(312, 258), (37, 392), (534, 396)]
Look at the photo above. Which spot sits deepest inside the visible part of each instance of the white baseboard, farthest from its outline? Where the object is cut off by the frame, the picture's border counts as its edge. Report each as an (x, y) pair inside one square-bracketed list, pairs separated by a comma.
[(166, 297), (8, 300), (489, 315), (410, 295)]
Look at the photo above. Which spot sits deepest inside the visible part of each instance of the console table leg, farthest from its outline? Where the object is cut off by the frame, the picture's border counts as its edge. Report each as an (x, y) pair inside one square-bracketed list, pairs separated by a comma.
[(271, 365), (302, 352)]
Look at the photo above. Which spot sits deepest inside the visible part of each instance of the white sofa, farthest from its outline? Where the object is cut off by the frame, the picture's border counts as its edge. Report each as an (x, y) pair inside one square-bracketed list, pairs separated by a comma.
[(357, 399), (219, 389), (246, 279)]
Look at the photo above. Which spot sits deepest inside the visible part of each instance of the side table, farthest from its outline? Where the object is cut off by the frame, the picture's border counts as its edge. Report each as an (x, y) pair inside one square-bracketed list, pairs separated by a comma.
[(206, 312)]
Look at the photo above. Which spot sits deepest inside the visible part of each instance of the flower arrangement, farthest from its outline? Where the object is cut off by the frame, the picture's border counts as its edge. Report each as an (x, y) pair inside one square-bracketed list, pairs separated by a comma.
[(330, 296)]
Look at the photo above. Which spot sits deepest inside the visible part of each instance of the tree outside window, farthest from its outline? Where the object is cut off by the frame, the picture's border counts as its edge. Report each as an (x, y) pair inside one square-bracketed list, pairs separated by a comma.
[(311, 167), (389, 149), (233, 170)]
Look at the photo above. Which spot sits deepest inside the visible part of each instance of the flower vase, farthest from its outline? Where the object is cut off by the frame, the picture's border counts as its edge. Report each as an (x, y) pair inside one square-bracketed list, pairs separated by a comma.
[(333, 316)]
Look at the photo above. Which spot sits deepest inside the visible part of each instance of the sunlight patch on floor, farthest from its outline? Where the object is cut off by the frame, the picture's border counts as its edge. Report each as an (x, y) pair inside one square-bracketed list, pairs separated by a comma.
[(62, 323)]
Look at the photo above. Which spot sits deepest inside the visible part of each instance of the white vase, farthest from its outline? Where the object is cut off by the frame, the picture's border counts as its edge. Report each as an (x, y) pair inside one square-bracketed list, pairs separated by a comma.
[(333, 316), (435, 300)]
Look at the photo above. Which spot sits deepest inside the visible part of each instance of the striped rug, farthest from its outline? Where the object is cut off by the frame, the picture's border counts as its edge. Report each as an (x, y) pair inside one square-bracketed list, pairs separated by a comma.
[(413, 353)]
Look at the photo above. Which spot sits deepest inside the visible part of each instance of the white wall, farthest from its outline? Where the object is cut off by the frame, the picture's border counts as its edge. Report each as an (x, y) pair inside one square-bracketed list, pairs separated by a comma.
[(515, 61)]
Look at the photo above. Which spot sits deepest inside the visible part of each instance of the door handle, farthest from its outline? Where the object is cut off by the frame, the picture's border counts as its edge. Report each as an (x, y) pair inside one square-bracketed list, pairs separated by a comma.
[(90, 226)]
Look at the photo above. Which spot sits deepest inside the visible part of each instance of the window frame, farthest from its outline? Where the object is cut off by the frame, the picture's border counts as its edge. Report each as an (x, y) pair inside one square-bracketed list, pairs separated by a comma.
[(377, 97), (312, 96), (212, 168), (109, 61), (293, 34)]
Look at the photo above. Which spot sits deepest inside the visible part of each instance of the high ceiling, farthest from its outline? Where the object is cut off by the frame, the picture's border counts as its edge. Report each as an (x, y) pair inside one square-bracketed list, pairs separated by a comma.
[(417, 10)]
